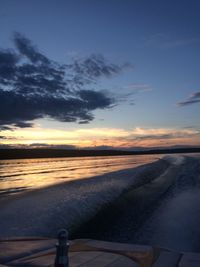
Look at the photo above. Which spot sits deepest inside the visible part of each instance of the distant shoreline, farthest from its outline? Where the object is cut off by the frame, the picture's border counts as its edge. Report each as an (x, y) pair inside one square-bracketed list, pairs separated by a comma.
[(60, 153)]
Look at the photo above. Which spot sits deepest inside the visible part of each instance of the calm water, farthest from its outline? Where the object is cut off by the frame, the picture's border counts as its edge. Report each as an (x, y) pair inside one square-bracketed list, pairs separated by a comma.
[(19, 175)]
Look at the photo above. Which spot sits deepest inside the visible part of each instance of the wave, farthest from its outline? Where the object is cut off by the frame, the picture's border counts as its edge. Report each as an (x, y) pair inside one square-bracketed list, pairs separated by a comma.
[(35, 174), (163, 213), (69, 205), (156, 204), (174, 222)]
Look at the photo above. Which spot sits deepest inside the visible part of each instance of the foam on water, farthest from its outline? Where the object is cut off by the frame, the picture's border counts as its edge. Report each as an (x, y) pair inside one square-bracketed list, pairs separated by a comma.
[(178, 226), (174, 222), (44, 211), (175, 204)]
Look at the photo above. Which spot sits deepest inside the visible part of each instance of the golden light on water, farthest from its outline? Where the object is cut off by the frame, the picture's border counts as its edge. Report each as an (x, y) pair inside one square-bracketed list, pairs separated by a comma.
[(23, 174)]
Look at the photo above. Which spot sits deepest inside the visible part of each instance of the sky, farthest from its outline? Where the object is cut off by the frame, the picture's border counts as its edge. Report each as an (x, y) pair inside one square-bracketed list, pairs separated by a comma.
[(99, 74)]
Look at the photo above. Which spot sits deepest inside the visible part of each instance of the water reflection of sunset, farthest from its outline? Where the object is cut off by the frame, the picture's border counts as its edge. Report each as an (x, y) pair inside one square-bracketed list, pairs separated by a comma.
[(26, 174)]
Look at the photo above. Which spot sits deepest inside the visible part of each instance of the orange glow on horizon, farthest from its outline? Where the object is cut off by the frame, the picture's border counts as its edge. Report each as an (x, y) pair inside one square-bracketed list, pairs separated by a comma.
[(94, 137)]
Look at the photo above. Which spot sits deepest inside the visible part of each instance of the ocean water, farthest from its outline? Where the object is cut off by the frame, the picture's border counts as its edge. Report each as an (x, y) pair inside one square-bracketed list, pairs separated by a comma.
[(148, 201), (71, 203), (17, 176)]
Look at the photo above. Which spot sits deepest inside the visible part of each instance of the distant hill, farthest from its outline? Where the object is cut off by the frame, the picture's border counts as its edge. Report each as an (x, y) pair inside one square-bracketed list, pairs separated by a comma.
[(14, 153)]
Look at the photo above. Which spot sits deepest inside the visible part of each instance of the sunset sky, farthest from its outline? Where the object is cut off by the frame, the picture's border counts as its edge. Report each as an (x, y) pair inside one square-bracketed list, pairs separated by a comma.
[(99, 73)]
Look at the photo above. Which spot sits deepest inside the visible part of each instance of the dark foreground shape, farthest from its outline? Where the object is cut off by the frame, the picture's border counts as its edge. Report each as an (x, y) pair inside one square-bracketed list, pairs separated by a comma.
[(62, 249), (41, 252)]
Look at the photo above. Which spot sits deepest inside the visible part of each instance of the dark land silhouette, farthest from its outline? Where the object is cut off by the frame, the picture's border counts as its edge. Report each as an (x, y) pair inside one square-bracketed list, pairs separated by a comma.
[(52, 153)]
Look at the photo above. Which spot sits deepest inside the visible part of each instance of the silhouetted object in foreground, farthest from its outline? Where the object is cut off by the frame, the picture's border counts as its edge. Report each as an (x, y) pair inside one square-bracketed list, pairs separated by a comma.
[(62, 249)]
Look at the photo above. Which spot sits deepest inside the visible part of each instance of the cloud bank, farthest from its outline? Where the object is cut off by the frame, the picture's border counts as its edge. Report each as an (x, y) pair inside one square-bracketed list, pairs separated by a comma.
[(33, 86)]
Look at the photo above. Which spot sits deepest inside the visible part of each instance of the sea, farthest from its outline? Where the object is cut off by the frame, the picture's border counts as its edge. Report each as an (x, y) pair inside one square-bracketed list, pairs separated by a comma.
[(17, 176), (149, 199)]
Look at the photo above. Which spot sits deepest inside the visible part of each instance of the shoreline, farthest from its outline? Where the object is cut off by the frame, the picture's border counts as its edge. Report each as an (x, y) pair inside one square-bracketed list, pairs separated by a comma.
[(9, 154)]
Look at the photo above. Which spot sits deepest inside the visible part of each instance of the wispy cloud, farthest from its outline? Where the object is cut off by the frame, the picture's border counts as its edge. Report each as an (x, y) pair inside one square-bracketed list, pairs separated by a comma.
[(113, 137), (167, 41), (161, 136), (139, 87), (33, 86), (129, 91), (162, 133), (192, 99)]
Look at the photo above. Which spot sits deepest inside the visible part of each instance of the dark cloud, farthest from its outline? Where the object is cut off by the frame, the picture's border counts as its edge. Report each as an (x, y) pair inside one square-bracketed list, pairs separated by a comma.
[(8, 60), (2, 137), (189, 102), (33, 86), (22, 124), (95, 66), (154, 137), (44, 145), (25, 48), (166, 136), (5, 128), (192, 99), (19, 110)]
